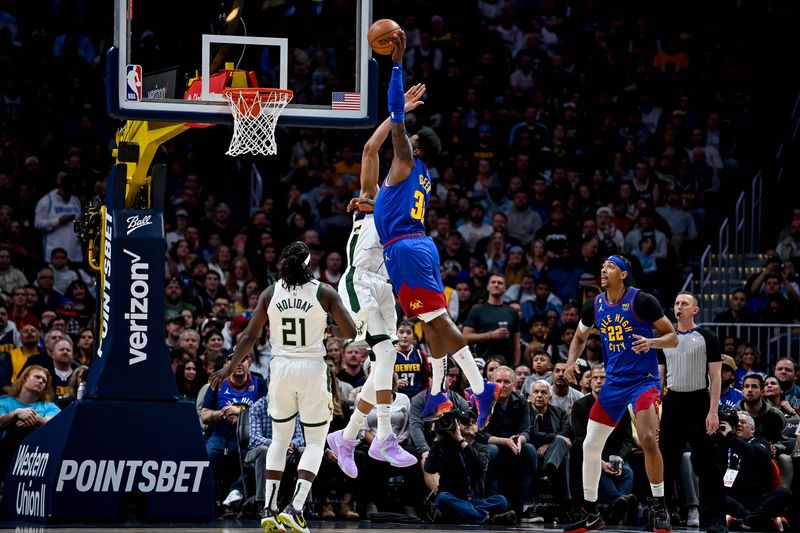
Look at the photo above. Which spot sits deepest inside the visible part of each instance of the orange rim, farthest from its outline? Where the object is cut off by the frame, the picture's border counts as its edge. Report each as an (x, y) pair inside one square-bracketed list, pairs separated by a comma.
[(251, 92)]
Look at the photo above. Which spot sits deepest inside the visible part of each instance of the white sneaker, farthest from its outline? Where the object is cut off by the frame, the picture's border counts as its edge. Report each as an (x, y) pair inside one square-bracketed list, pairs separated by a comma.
[(233, 497), (693, 517)]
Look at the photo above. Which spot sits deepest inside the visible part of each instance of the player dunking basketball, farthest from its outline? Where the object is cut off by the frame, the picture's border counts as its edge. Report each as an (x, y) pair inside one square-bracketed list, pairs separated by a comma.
[(626, 318), (366, 292), (411, 257), (297, 307)]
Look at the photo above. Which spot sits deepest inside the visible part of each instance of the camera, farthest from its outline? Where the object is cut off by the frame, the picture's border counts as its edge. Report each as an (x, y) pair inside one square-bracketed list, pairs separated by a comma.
[(728, 415), (447, 423)]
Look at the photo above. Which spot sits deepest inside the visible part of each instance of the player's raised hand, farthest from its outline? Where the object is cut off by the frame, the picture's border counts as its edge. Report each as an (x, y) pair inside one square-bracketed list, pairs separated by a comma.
[(641, 344), (398, 46), (219, 376), (362, 205), (570, 372), (414, 97)]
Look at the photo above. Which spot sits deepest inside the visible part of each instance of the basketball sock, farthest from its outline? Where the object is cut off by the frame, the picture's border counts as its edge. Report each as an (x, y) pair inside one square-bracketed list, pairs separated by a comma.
[(384, 421), (271, 501), (300, 494), (467, 363), (657, 489), (439, 367), (356, 421)]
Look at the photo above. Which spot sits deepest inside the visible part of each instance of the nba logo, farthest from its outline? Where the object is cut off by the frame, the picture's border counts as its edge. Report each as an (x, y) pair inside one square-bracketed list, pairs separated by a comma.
[(133, 83)]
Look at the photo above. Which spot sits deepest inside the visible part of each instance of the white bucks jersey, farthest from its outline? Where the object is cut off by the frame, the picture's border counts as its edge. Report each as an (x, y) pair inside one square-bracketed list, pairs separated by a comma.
[(364, 248), (297, 320)]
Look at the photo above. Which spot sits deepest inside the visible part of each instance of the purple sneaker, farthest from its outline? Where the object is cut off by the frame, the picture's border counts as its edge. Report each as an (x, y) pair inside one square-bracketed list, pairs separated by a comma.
[(391, 452), (484, 402), (344, 450), (435, 406)]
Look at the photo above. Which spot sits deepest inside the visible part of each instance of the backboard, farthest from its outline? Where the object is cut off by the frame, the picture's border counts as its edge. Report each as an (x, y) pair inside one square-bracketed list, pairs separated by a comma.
[(173, 68)]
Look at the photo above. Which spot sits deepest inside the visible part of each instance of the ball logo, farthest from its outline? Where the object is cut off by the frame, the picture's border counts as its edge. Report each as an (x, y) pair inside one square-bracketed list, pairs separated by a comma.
[(135, 222), (133, 83)]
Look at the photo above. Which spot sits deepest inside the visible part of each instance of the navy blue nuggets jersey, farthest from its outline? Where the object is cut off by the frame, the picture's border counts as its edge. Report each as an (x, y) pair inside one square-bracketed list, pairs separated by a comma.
[(252, 390), (618, 323), (400, 208), (412, 367)]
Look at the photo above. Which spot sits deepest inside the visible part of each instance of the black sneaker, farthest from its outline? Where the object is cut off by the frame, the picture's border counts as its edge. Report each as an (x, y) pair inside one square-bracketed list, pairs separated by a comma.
[(659, 517), (718, 525), (270, 523), (586, 522), (509, 518), (530, 515), (293, 520)]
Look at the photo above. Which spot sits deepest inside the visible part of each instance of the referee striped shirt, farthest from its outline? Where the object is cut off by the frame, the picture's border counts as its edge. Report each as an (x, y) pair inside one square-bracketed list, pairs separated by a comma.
[(687, 363)]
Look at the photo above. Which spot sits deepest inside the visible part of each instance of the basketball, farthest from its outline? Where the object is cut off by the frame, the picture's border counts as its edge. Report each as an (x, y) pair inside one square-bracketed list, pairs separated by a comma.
[(379, 35)]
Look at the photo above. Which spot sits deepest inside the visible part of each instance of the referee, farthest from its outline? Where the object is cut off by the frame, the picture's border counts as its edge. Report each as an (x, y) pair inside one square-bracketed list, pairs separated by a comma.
[(690, 406)]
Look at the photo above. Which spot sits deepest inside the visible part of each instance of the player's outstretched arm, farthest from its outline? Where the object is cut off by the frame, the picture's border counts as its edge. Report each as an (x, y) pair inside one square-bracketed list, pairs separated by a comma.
[(369, 156), (345, 328), (403, 160), (247, 339)]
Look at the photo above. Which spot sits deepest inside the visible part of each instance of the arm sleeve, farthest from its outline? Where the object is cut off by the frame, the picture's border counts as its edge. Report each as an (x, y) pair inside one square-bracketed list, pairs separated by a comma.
[(396, 97), (713, 349), (647, 307), (587, 314)]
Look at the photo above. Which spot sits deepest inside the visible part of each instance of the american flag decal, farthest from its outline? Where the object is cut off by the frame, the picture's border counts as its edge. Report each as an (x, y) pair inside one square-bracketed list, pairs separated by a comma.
[(346, 101)]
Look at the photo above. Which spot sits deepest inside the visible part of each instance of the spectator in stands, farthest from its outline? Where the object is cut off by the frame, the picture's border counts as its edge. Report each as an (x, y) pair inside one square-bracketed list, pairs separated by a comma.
[(11, 277), (772, 394), (14, 361), (189, 342), (188, 380), (616, 484), (512, 458), (174, 327), (18, 311), (564, 396), (333, 269), (646, 228), (786, 374), (63, 275), (411, 364), (789, 247), (752, 502), (85, 347), (737, 312), (543, 301), (49, 298), (521, 373), (352, 371), (460, 462), (55, 214), (28, 407), (729, 396), (523, 222), (611, 238), (769, 422), (551, 434), (493, 326), (773, 279), (476, 228), (62, 365), (260, 440), (541, 369), (221, 410), (748, 361)]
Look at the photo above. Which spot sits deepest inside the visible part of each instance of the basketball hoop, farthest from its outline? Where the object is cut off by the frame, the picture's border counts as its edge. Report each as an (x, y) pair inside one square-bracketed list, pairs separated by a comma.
[(255, 114)]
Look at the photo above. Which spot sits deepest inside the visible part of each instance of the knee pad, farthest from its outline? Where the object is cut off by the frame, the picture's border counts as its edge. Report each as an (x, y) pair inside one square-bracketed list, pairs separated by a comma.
[(282, 433), (315, 447), (383, 369)]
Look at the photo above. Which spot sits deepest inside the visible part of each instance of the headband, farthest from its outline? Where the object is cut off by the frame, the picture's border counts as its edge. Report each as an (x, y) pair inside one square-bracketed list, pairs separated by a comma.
[(308, 259), (617, 260)]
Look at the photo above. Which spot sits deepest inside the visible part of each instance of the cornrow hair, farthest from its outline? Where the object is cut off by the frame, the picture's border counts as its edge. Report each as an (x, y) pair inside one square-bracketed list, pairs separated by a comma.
[(294, 270)]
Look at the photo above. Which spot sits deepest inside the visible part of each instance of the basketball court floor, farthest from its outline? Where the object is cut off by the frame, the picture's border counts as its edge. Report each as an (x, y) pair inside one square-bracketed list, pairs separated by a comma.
[(227, 526)]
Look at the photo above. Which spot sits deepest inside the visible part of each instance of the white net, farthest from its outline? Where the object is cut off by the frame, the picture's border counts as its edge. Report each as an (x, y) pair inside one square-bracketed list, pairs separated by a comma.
[(255, 115)]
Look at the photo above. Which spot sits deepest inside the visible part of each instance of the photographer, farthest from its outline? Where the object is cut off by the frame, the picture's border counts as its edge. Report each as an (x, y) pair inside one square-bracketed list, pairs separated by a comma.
[(461, 464), (752, 501)]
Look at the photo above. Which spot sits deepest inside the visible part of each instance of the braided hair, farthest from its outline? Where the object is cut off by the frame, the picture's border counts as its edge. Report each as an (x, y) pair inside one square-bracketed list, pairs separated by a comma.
[(294, 270)]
